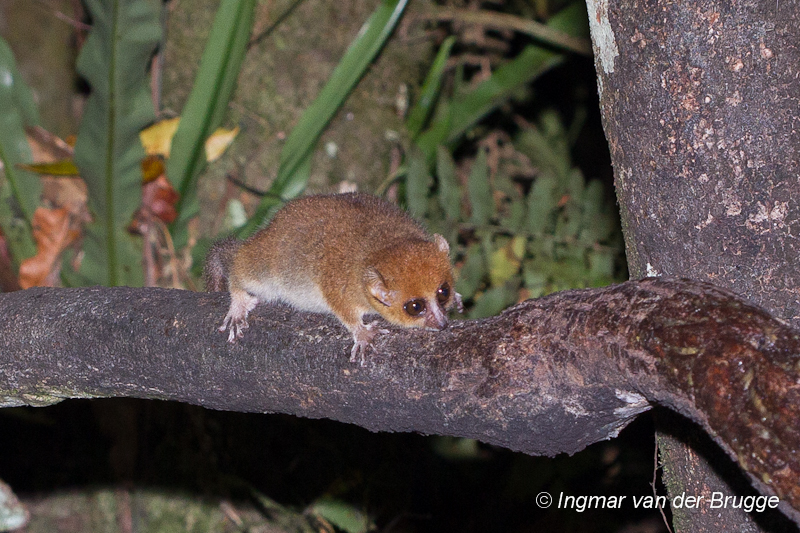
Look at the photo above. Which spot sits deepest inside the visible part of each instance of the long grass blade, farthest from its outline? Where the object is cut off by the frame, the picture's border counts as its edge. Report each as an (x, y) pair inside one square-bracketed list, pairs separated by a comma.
[(207, 103), (297, 151), (430, 89)]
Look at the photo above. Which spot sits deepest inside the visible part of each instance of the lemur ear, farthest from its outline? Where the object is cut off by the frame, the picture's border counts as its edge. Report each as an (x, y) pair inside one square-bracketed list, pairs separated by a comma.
[(377, 287), (441, 243)]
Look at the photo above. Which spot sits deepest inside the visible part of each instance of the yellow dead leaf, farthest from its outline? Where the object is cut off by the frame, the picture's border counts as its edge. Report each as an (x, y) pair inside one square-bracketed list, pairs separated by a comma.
[(157, 139), (219, 141)]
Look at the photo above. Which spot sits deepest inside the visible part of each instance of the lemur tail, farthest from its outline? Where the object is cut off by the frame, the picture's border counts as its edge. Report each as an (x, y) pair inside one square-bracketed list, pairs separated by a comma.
[(218, 263)]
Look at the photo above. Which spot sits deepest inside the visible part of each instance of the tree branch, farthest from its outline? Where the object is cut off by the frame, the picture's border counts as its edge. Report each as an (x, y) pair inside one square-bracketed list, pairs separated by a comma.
[(547, 376)]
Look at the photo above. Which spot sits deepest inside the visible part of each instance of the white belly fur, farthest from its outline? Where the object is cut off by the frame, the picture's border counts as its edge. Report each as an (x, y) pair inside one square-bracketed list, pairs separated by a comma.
[(303, 296)]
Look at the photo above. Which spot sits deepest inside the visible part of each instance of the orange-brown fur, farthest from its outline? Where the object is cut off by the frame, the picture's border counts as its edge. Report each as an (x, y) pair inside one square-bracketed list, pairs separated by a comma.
[(347, 254)]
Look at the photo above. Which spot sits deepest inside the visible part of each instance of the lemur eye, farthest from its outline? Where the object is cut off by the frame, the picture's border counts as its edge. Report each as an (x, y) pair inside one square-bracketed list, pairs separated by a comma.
[(443, 294), (415, 307)]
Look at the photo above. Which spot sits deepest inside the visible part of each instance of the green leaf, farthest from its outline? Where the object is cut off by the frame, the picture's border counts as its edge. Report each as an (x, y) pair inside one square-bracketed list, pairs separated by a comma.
[(14, 90), (343, 515), (471, 272), (457, 448), (108, 152), (207, 103), (430, 89), (571, 217), (535, 280), (449, 191), (547, 145), (601, 265), (20, 190), (493, 301), (542, 201), (515, 216), (429, 140), (296, 154), (598, 225), (418, 183), (480, 191)]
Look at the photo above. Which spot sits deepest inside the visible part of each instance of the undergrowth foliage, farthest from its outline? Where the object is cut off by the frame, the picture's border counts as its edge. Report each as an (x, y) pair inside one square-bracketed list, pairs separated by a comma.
[(522, 236)]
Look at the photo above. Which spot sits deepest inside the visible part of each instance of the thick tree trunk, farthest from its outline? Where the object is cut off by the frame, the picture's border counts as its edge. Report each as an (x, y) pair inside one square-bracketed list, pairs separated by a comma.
[(700, 107)]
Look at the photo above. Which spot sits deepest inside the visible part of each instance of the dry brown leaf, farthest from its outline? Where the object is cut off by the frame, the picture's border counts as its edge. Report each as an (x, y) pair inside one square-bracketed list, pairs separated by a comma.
[(54, 230), (160, 198), (158, 202), (152, 168)]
